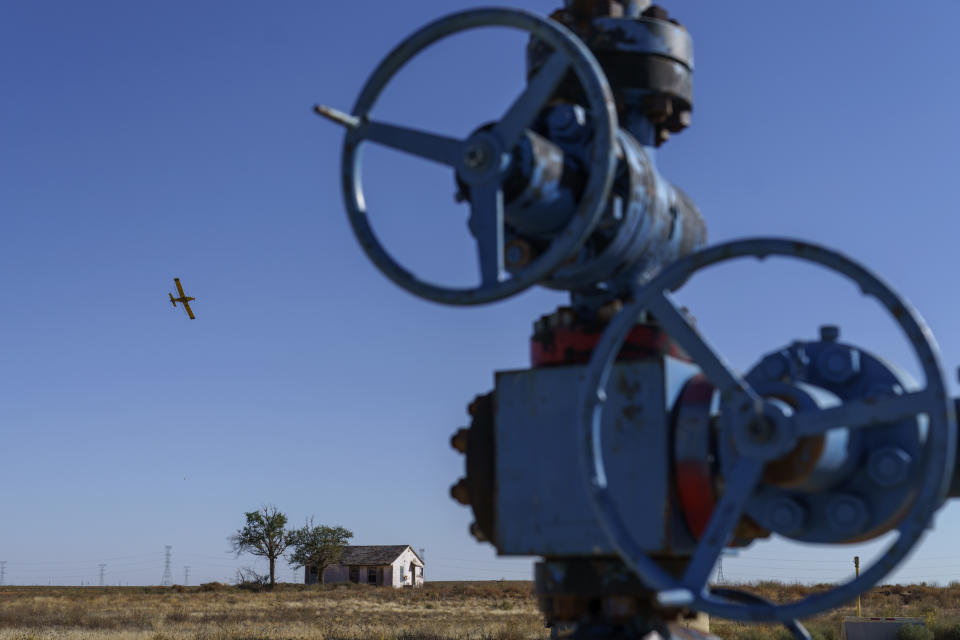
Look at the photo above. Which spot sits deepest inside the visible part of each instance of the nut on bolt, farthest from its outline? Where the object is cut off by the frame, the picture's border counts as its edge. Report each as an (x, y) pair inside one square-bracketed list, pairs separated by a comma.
[(889, 466), (657, 107), (477, 533), (461, 492), (459, 440), (785, 515), (517, 254), (838, 364), (472, 407), (847, 514), (567, 122), (775, 366)]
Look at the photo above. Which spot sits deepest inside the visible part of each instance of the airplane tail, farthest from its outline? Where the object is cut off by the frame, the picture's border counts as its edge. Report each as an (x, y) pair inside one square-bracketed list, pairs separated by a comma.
[(172, 301)]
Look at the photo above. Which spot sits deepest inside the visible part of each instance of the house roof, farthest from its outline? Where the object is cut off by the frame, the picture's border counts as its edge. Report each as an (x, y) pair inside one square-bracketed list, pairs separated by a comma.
[(373, 554)]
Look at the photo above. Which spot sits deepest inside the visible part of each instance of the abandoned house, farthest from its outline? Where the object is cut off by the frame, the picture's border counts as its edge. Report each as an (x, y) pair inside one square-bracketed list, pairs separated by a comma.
[(390, 565)]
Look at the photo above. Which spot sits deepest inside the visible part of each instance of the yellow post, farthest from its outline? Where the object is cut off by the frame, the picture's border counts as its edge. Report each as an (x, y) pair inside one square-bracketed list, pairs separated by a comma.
[(856, 566)]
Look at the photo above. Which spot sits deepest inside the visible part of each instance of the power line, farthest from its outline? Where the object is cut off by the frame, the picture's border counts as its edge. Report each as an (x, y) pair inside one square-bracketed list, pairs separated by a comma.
[(167, 580), (59, 563)]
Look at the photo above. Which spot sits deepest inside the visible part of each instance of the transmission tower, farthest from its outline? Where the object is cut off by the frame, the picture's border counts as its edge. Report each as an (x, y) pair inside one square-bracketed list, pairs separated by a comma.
[(186, 576), (3, 572), (167, 580), (720, 570), (102, 568)]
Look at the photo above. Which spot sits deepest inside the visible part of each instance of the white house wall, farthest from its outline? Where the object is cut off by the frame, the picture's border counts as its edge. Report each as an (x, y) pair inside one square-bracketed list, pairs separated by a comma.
[(404, 560)]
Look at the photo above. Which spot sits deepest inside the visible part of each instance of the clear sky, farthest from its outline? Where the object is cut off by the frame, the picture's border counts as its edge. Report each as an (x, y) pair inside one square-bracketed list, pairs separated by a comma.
[(143, 141)]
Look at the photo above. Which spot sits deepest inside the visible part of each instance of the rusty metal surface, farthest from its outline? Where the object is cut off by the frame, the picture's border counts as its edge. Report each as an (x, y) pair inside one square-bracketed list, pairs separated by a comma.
[(647, 57)]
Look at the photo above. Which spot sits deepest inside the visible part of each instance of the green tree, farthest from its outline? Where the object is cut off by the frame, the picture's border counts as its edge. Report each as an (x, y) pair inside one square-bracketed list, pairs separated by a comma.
[(264, 535), (317, 546)]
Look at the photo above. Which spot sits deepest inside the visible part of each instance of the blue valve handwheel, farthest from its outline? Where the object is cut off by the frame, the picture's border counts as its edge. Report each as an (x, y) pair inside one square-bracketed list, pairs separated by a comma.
[(479, 159), (939, 449)]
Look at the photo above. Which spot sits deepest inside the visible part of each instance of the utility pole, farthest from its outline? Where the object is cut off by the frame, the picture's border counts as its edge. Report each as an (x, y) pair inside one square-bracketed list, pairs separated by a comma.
[(167, 580), (856, 567), (3, 572), (186, 576), (102, 568)]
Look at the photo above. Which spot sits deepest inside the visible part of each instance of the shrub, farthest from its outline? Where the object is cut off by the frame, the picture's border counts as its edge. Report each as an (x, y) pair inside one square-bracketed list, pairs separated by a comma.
[(914, 632), (946, 632)]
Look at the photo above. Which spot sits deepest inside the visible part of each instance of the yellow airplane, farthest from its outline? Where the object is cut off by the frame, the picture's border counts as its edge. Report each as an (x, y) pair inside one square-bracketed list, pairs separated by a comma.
[(183, 299)]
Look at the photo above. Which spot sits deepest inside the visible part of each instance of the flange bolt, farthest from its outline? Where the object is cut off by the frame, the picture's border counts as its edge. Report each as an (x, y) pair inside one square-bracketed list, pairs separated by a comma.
[(785, 515), (477, 533), (461, 492), (567, 122), (847, 514), (517, 254), (775, 366), (889, 466), (459, 440), (838, 364)]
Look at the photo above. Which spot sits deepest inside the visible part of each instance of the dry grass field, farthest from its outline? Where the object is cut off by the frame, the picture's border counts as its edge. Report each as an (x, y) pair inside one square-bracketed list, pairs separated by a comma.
[(494, 611), (939, 606), (439, 611)]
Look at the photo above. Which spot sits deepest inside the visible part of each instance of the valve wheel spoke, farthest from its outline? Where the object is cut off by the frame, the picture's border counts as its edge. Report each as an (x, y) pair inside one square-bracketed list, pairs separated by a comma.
[(676, 325), (430, 146), (739, 488), (869, 411), (486, 217), (522, 112)]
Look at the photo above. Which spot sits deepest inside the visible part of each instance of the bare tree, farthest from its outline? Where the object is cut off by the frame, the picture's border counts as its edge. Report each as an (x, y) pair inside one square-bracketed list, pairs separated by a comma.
[(264, 535)]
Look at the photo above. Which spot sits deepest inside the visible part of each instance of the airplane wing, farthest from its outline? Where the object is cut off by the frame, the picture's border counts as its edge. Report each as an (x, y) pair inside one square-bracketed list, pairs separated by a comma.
[(179, 287), (186, 305)]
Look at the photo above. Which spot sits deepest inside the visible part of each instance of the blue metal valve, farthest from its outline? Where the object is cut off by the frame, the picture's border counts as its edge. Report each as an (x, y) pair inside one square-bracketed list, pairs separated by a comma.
[(820, 441), (559, 195), (483, 160), (757, 429)]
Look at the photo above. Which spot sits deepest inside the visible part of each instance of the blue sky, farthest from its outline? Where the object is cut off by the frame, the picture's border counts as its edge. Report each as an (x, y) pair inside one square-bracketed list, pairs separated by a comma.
[(143, 141)]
